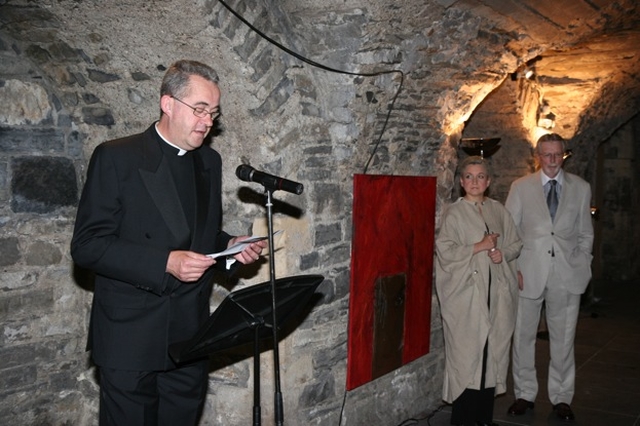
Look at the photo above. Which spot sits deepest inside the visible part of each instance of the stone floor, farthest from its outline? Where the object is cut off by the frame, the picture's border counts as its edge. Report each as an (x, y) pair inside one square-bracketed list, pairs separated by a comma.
[(608, 367)]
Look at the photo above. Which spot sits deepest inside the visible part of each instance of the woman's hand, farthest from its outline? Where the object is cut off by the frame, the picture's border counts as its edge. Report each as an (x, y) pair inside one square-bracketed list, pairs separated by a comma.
[(488, 242), (496, 255)]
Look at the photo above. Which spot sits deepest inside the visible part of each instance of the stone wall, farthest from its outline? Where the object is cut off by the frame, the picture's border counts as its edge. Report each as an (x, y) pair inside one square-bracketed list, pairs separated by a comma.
[(618, 205), (68, 86), (43, 314), (76, 73)]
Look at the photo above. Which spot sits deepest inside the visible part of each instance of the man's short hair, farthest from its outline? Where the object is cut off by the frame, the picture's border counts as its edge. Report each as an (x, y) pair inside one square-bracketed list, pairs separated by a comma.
[(176, 80), (551, 137)]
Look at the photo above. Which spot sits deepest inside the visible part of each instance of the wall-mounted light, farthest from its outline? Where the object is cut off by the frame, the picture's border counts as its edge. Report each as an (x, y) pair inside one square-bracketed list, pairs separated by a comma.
[(547, 121), (568, 153), (526, 70), (546, 118), (527, 73), (480, 146)]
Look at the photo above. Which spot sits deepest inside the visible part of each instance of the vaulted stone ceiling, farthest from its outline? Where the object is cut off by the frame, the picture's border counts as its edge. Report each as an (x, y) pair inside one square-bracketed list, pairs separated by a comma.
[(585, 55), (585, 52)]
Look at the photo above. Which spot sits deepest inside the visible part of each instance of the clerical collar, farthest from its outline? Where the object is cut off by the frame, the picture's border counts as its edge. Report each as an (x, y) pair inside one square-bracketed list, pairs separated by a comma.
[(181, 151)]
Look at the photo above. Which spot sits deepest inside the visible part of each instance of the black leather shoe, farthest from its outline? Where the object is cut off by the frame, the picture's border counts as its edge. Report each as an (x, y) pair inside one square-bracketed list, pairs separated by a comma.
[(520, 407), (564, 412)]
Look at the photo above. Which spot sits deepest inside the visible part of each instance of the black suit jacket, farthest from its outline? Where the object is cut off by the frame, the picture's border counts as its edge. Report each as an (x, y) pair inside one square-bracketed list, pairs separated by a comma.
[(129, 219)]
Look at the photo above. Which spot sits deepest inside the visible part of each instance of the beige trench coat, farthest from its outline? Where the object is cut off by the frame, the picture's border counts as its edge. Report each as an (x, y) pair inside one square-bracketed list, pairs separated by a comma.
[(462, 285)]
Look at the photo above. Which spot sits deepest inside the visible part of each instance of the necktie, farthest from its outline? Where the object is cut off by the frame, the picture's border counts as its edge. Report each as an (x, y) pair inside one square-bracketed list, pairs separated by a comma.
[(552, 199)]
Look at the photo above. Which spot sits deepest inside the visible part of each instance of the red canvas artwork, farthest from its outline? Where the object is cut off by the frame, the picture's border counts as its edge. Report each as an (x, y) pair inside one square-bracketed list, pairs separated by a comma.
[(391, 274)]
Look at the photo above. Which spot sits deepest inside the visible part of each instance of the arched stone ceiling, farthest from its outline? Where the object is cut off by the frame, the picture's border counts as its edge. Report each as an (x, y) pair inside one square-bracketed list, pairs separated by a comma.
[(585, 55)]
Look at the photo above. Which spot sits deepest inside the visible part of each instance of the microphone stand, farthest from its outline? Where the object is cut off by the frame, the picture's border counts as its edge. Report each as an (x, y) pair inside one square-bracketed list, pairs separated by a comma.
[(278, 404)]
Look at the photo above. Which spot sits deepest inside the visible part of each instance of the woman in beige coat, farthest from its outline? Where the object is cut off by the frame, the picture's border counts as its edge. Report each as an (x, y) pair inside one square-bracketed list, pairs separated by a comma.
[(477, 288)]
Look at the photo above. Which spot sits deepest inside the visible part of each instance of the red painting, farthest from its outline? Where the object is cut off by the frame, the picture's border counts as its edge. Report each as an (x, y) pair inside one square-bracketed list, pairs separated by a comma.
[(391, 274)]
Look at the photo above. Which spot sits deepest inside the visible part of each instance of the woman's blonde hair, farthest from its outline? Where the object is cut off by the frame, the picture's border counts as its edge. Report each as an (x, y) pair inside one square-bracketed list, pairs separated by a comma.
[(474, 160)]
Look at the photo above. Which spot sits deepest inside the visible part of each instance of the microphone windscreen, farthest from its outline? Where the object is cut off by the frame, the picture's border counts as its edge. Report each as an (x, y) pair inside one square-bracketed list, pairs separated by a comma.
[(243, 172)]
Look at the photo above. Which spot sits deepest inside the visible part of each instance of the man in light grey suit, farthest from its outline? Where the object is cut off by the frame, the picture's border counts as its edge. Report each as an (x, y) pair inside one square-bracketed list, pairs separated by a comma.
[(551, 210)]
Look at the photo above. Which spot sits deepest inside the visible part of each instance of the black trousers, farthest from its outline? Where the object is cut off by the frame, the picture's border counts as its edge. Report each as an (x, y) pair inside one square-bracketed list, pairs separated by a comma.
[(475, 405), (153, 398)]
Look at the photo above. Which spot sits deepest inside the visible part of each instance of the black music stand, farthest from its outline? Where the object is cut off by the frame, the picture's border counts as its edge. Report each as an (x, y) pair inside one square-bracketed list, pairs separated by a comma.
[(246, 315)]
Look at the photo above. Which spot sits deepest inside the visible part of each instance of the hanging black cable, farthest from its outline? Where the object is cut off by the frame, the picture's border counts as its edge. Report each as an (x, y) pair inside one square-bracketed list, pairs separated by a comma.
[(326, 68)]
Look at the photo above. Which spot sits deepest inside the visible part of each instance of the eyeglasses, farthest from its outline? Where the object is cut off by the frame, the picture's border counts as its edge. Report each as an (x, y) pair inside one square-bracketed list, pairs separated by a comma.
[(549, 156), (201, 112)]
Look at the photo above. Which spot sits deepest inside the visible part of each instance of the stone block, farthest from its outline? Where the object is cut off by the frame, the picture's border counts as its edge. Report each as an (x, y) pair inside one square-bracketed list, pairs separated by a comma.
[(135, 96), (79, 78), (310, 110), (101, 76), (140, 76), (9, 251), (18, 377), (337, 255), (43, 184), (12, 280), (32, 353), (318, 161), (327, 234), (38, 54), (42, 253), (322, 388), (276, 98), (246, 49), (4, 190), (315, 174), (98, 116), (319, 148), (24, 103), (342, 282), (308, 261), (75, 143), (29, 304), (90, 98), (62, 51), (47, 140)]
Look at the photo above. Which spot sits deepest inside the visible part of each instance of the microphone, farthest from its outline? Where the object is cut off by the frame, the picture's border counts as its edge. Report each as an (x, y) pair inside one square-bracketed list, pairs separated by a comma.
[(248, 174)]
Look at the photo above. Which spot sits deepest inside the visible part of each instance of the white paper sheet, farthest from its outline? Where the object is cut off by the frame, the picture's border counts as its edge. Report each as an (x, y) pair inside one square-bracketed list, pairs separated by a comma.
[(241, 245)]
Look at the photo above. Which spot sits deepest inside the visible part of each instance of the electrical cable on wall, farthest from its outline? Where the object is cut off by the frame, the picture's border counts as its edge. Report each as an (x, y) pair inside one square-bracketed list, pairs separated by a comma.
[(326, 68)]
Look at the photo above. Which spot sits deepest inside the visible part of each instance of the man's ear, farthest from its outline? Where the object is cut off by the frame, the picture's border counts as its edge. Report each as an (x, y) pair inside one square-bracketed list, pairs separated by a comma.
[(166, 104)]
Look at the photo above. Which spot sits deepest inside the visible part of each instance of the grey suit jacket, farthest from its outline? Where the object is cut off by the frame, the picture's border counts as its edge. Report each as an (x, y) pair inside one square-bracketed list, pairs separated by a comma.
[(567, 242)]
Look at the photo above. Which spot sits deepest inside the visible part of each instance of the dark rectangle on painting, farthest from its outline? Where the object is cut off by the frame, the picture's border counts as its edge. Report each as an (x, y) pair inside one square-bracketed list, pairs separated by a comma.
[(388, 325)]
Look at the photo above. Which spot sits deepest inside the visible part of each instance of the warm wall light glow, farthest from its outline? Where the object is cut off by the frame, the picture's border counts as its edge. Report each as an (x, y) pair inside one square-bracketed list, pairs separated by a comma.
[(536, 133), (528, 73), (546, 118), (547, 121)]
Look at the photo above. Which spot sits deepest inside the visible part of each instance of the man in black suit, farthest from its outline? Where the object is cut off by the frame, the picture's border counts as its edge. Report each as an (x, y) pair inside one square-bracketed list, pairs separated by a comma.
[(150, 211)]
